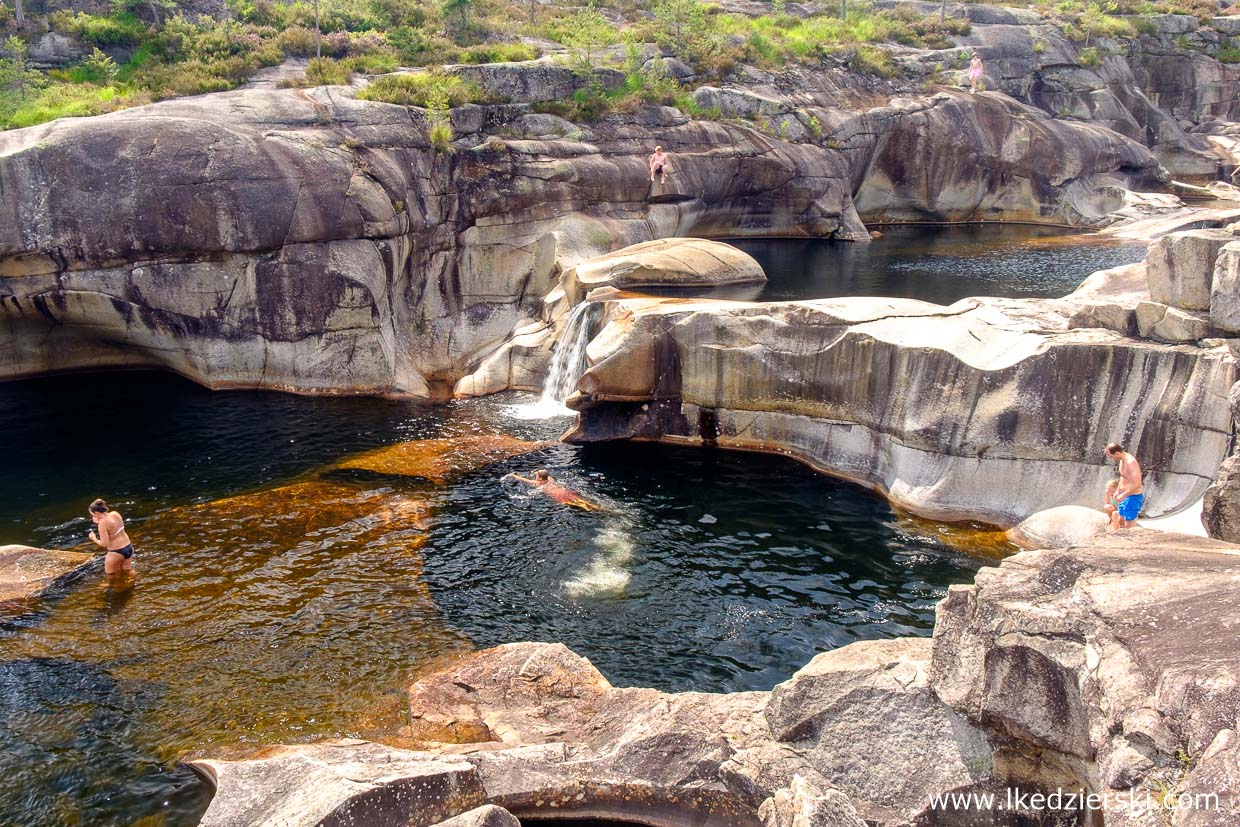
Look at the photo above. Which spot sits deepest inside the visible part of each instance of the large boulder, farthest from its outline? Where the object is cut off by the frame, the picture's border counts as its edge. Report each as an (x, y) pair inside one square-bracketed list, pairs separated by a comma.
[(339, 782), (1181, 267), (1220, 507), (487, 816), (990, 410), (827, 714), (1064, 525), (1113, 660), (27, 573), (1171, 324), (1225, 289), (666, 262)]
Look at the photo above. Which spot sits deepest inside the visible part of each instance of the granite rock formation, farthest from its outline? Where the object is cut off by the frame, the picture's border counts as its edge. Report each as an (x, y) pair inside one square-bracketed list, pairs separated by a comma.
[(987, 409), (28, 573), (308, 241), (1107, 668)]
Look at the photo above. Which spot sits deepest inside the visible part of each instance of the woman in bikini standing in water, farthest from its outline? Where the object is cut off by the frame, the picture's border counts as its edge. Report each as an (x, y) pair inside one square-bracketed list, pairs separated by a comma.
[(112, 537)]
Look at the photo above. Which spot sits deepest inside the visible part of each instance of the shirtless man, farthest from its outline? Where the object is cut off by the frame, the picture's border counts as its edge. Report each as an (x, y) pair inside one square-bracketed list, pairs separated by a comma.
[(546, 483), (1131, 493), (659, 165)]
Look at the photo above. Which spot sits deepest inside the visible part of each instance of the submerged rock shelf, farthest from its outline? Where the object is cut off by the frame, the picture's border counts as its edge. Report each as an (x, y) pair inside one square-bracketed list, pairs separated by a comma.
[(1109, 667)]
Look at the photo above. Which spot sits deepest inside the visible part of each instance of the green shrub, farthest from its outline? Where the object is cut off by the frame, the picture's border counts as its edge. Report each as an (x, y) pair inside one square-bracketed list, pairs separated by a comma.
[(1090, 56), (64, 100), (1228, 54), (416, 48), (419, 89), (296, 41), (868, 60), (324, 71), (374, 63), (498, 53), (440, 135), (118, 30), (99, 68)]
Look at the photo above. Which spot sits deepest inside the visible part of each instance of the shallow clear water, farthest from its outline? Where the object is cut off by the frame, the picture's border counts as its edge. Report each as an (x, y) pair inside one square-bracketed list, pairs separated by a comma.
[(935, 264), (289, 586)]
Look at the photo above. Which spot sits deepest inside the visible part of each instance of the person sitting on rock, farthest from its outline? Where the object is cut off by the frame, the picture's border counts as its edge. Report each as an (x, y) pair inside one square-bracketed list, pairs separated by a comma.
[(1111, 508), (1130, 495), (659, 165), (546, 483)]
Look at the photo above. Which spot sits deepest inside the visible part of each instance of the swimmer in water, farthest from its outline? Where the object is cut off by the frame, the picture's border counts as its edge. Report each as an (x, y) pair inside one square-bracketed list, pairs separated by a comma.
[(112, 537), (546, 483)]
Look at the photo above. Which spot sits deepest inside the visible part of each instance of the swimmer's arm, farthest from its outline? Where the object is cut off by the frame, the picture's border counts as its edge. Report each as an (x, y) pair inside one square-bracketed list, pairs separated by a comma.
[(103, 539), (521, 478)]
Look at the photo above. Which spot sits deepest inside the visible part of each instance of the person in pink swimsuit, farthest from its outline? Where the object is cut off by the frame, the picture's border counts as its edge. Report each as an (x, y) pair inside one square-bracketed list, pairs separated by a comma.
[(546, 483), (975, 72)]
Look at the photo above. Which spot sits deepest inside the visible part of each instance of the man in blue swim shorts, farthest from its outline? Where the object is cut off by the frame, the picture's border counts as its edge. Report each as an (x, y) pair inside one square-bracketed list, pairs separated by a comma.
[(1131, 494)]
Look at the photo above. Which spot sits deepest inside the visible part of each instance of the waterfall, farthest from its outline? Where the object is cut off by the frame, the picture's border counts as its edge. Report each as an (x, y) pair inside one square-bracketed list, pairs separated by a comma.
[(568, 360)]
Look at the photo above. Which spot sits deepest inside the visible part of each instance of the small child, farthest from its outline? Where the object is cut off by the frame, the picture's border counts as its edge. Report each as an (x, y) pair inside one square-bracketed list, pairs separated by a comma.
[(1111, 509)]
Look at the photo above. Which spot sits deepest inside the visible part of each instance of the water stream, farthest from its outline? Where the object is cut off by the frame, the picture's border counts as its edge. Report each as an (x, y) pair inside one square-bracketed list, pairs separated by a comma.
[(568, 363)]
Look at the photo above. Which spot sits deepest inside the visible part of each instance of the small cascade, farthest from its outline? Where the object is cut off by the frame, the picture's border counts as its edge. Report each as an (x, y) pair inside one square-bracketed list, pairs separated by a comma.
[(568, 360), (568, 363)]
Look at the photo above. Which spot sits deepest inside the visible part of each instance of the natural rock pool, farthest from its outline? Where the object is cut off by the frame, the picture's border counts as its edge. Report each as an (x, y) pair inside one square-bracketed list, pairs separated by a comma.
[(281, 597), (292, 582), (936, 264)]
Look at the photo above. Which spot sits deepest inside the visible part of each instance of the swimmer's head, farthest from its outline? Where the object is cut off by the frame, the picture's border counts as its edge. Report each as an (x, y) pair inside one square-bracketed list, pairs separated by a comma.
[(99, 507), (658, 149), (1114, 449), (1112, 485), (541, 475)]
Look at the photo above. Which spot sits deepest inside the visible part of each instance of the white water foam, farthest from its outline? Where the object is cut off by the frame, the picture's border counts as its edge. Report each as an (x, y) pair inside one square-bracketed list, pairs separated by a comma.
[(568, 362), (608, 572)]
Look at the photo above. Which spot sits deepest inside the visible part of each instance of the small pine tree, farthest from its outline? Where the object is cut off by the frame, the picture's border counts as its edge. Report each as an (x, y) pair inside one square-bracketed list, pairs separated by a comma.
[(460, 10), (586, 32), (101, 66), (14, 73)]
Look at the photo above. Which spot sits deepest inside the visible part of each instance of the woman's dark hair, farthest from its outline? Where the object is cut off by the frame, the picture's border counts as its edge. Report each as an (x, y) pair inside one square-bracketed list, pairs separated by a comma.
[(99, 507)]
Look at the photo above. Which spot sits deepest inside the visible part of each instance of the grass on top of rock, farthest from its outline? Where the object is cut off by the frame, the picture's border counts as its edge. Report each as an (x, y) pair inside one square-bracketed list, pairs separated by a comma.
[(639, 89), (425, 89), (160, 52)]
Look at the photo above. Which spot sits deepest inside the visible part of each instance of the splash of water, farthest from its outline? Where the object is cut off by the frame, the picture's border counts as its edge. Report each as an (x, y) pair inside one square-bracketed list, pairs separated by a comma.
[(568, 363), (608, 572)]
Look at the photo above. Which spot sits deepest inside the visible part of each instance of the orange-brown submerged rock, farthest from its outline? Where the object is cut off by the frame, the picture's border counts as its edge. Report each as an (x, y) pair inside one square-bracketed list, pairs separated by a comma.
[(27, 573), (284, 515), (438, 460)]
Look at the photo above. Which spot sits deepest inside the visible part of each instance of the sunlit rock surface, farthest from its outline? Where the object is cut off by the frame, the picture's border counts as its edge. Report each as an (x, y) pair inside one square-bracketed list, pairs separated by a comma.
[(342, 782), (27, 573), (668, 262), (1114, 660), (304, 240), (1108, 667), (988, 409), (1058, 527)]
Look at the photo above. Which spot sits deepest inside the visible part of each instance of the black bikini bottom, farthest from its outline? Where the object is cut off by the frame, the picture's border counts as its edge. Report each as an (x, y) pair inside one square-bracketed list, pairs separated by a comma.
[(125, 552)]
